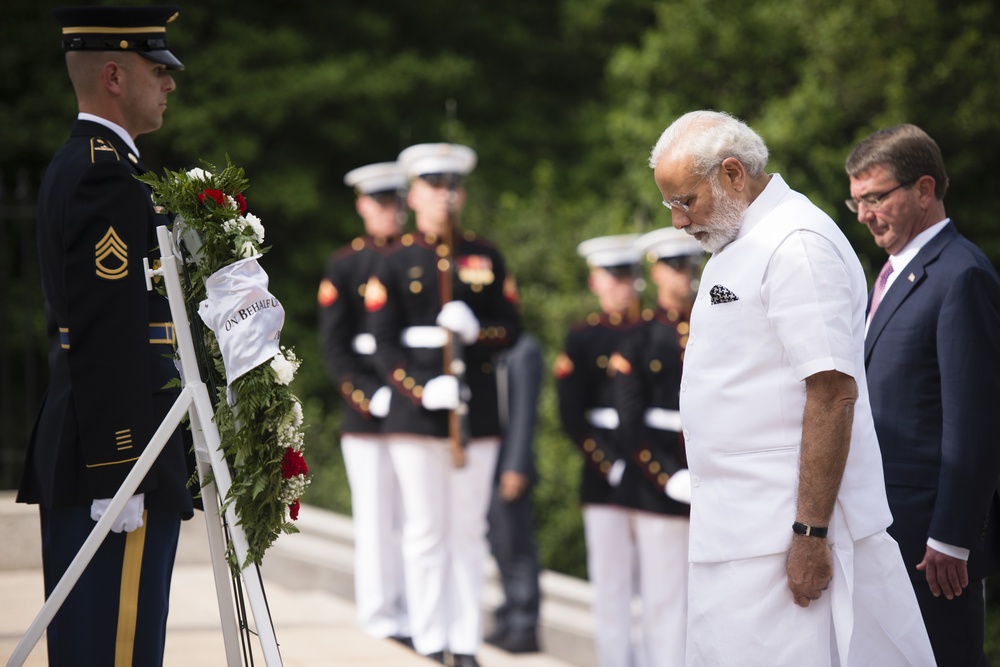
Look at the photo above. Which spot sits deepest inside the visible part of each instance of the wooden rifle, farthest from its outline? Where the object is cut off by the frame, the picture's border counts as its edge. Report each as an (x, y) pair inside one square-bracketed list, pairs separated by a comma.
[(454, 358)]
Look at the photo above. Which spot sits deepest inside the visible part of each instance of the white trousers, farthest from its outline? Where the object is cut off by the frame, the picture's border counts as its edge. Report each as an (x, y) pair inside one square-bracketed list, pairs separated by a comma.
[(444, 538), (741, 612), (631, 552), (377, 511)]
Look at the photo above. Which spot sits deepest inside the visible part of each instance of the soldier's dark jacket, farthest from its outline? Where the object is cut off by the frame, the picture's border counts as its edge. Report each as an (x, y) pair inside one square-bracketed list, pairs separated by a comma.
[(583, 383), (405, 292), (110, 340), (646, 373), (341, 320)]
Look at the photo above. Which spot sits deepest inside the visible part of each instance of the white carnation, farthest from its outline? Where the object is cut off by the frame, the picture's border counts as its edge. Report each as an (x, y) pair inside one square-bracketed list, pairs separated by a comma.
[(199, 174), (231, 225), (284, 369), (247, 250), (256, 226)]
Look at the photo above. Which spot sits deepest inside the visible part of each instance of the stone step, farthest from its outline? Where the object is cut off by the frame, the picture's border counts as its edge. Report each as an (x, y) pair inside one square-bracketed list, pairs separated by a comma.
[(321, 558)]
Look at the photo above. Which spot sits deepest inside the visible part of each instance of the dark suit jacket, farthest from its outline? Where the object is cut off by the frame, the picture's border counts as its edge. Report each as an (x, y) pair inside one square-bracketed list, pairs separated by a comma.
[(107, 365), (522, 371), (932, 355)]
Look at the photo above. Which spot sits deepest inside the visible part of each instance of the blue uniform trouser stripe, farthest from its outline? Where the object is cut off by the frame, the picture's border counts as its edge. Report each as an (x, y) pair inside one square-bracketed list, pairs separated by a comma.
[(85, 632)]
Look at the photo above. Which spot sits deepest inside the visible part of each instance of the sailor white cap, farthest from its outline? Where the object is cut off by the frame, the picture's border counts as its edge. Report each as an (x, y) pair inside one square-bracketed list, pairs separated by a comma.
[(425, 159), (608, 252), (667, 243), (373, 179)]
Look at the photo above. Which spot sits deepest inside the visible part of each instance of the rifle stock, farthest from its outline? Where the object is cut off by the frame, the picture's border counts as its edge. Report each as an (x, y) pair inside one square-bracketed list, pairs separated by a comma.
[(454, 362)]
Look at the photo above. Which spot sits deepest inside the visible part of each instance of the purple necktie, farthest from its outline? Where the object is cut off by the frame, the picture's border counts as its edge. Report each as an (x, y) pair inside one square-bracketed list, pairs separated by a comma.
[(879, 290)]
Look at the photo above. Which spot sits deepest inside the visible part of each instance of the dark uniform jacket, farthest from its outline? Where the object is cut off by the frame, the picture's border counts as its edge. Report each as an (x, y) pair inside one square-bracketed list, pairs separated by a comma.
[(405, 293), (646, 374), (110, 340), (583, 382), (341, 321)]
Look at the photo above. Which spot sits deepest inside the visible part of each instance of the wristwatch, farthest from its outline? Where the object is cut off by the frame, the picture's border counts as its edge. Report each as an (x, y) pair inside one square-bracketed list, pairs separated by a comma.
[(809, 531)]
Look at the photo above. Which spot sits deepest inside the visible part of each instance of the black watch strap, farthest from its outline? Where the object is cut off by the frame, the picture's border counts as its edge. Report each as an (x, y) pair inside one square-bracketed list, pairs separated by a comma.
[(808, 531)]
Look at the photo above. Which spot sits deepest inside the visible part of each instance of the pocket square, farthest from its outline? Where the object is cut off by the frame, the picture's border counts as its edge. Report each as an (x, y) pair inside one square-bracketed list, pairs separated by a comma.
[(722, 294)]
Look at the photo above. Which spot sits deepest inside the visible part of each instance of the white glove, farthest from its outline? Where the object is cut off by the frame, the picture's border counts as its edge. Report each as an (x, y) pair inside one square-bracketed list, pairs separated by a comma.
[(458, 317), (441, 393), (131, 517), (379, 405), (679, 486), (616, 472)]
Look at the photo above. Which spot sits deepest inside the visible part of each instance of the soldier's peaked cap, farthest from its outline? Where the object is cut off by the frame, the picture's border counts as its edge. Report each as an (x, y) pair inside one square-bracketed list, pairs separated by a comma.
[(667, 243), (373, 179), (424, 159), (609, 252), (139, 29)]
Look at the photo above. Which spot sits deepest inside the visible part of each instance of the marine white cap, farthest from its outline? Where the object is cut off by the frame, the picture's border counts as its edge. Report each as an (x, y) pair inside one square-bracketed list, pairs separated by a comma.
[(375, 178), (424, 159), (666, 243), (607, 252)]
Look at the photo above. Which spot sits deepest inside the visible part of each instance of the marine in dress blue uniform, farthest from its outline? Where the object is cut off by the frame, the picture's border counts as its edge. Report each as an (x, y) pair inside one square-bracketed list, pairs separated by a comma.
[(348, 351), (646, 379), (583, 372), (110, 347), (444, 535)]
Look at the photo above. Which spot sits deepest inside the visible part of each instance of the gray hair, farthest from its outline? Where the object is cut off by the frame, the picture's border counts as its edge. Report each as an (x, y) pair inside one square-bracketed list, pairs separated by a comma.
[(906, 151), (709, 137)]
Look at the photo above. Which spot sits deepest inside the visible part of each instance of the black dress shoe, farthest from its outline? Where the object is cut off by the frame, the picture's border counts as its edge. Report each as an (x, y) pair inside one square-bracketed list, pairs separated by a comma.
[(519, 642), (463, 660), (496, 636), (405, 641), (436, 657)]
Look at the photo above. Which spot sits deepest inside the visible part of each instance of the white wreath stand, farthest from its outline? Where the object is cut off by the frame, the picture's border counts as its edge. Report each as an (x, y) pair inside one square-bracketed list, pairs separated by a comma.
[(195, 402)]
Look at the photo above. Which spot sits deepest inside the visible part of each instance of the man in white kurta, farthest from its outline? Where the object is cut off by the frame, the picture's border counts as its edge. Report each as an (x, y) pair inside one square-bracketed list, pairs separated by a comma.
[(790, 561)]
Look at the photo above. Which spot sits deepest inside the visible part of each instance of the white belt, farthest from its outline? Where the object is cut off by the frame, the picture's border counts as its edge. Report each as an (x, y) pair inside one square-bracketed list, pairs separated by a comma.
[(364, 344), (663, 419), (429, 337), (606, 418)]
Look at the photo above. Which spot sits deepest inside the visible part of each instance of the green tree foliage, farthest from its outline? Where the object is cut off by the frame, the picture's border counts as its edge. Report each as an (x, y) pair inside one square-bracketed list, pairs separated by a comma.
[(562, 100)]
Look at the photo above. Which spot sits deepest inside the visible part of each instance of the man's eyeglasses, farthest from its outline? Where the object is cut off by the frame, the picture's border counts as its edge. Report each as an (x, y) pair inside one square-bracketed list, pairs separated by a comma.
[(442, 180), (682, 202), (873, 202)]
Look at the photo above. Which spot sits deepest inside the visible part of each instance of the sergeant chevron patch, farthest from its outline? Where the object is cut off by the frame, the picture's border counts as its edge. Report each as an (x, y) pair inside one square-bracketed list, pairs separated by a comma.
[(111, 256)]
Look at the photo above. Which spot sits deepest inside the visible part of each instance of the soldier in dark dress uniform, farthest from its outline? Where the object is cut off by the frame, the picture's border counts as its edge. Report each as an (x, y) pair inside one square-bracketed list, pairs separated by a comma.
[(444, 535), (110, 343), (586, 410), (646, 391), (348, 348)]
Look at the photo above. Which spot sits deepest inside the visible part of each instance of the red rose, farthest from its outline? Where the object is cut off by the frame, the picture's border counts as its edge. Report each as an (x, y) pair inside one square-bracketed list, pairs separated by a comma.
[(293, 510), (293, 464), (217, 196), (242, 202)]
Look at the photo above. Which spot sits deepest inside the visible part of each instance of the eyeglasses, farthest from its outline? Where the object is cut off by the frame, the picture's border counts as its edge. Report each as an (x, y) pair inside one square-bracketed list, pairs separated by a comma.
[(873, 202), (682, 202), (442, 180)]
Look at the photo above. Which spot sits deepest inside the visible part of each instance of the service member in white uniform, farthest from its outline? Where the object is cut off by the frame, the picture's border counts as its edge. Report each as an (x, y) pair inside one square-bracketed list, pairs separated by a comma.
[(445, 505), (790, 560), (348, 348)]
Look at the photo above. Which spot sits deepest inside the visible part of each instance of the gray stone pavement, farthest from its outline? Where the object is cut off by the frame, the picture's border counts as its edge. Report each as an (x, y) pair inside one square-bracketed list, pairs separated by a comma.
[(308, 589)]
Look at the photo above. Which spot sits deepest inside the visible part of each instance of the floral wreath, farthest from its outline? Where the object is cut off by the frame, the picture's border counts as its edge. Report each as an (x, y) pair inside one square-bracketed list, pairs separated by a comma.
[(261, 430)]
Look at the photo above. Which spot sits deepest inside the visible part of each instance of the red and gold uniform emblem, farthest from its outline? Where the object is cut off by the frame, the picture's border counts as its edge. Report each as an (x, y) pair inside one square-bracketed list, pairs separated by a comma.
[(375, 295), (327, 295)]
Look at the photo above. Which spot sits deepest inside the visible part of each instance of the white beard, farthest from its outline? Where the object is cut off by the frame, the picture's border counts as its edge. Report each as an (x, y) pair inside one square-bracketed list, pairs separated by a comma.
[(724, 224)]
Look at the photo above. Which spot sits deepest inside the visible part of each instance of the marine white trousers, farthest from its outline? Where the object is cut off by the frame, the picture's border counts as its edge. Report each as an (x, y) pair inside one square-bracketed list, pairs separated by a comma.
[(444, 538), (379, 589), (631, 553)]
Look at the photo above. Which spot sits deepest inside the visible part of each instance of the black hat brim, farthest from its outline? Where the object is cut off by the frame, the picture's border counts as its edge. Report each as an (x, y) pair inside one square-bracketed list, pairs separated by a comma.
[(163, 57)]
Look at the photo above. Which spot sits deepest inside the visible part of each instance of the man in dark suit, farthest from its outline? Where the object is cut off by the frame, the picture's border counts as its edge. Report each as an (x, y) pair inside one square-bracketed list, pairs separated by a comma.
[(511, 515), (110, 347), (932, 353)]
